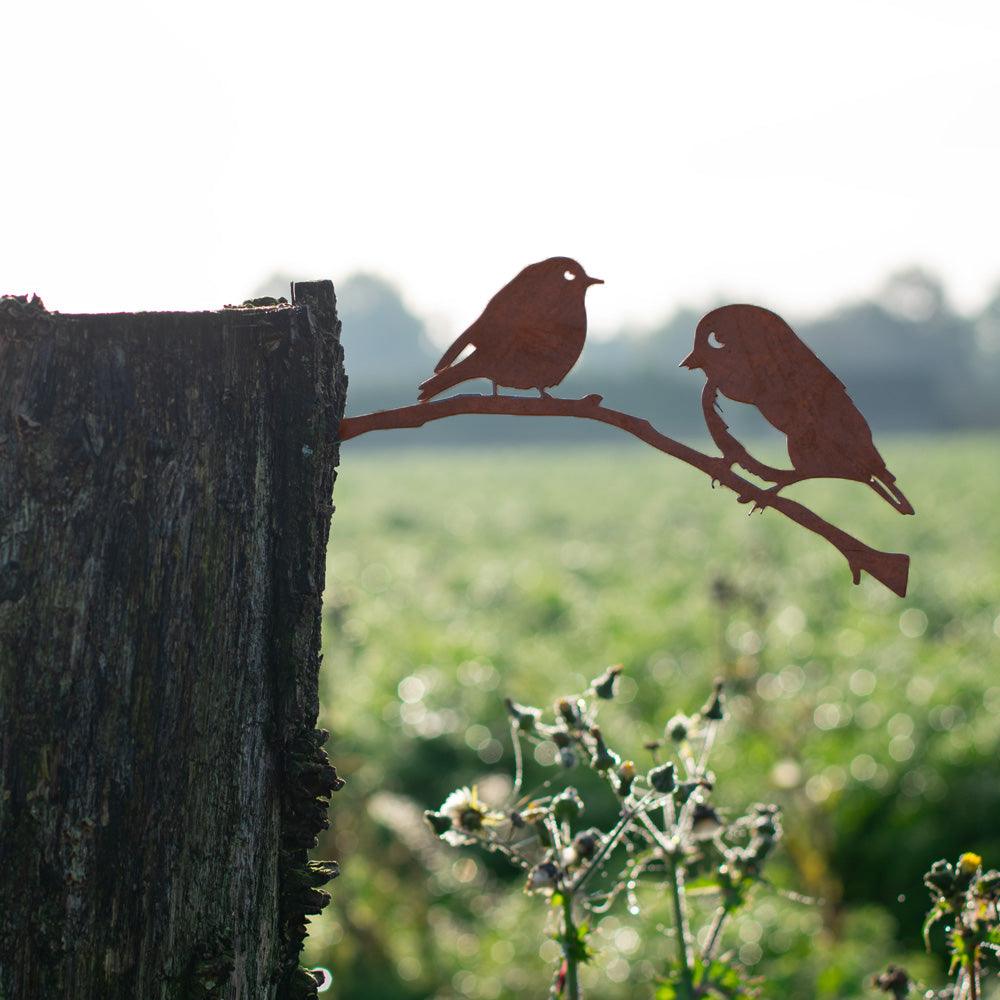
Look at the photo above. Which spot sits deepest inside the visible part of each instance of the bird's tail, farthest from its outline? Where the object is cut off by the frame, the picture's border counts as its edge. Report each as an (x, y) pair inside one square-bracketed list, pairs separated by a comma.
[(445, 379), (884, 484)]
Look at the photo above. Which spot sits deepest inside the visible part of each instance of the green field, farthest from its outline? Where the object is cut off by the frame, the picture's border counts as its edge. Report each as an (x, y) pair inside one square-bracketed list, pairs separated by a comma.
[(457, 577)]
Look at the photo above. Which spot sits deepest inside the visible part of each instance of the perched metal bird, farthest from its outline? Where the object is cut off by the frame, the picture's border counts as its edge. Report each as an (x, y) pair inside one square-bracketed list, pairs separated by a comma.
[(529, 335), (751, 355)]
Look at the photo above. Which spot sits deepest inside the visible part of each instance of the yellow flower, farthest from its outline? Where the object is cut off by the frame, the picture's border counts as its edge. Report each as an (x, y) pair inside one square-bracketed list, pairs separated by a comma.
[(627, 770), (969, 862)]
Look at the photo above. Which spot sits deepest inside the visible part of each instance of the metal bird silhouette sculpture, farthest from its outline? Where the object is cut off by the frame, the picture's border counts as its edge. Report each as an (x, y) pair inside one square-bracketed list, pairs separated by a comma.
[(751, 355), (533, 330), (529, 336)]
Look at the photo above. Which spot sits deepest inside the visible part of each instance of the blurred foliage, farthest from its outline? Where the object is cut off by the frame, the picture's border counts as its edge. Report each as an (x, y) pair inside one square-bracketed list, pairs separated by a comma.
[(456, 578)]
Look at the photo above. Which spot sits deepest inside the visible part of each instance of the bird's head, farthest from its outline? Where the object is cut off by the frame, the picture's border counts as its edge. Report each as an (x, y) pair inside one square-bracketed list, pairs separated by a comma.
[(710, 336), (724, 336), (566, 274)]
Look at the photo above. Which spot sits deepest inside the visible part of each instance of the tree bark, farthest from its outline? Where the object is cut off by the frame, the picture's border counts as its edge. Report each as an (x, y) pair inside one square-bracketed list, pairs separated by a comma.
[(165, 502)]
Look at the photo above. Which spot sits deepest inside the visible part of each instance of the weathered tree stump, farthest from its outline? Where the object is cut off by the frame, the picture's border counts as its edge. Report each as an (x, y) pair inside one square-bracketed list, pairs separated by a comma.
[(165, 503)]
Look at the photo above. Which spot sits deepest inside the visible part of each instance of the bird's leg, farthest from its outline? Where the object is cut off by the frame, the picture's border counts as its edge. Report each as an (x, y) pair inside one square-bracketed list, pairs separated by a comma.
[(759, 498), (733, 452), (496, 389), (543, 393), (782, 479)]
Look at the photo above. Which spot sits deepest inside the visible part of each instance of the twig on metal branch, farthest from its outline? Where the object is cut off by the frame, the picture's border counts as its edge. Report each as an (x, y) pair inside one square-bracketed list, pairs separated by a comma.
[(890, 568)]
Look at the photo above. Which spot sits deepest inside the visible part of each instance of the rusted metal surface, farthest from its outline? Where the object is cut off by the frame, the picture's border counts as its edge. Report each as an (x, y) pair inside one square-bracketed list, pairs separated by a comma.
[(751, 355), (529, 336), (532, 332), (889, 568)]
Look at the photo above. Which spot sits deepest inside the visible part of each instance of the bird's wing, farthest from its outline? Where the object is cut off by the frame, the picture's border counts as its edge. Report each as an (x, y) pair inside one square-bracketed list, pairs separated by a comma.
[(827, 416), (493, 332), (794, 386), (456, 349), (799, 364)]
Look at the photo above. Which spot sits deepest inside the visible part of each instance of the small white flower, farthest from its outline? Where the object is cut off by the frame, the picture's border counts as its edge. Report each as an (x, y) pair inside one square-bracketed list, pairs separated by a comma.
[(467, 812)]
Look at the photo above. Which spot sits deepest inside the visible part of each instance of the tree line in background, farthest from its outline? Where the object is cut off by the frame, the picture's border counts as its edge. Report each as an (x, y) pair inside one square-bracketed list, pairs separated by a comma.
[(909, 359)]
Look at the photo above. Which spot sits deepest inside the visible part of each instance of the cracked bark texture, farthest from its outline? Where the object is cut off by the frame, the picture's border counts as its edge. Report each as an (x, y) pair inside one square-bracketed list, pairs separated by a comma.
[(165, 503)]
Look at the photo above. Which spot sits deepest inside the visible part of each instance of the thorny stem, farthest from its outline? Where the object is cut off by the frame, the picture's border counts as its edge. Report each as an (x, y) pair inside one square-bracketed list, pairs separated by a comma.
[(611, 843), (676, 884), (669, 812), (554, 833), (515, 739), (715, 933), (608, 898), (706, 749), (659, 837), (685, 818), (570, 948), (968, 980), (972, 976)]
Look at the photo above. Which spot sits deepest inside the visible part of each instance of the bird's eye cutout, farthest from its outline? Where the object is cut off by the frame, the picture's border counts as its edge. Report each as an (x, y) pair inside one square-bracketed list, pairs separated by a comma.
[(713, 341), (569, 275)]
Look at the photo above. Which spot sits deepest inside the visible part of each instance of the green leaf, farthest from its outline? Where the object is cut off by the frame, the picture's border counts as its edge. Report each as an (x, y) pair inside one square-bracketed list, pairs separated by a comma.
[(958, 949), (724, 980), (719, 979), (709, 880), (578, 948), (934, 914)]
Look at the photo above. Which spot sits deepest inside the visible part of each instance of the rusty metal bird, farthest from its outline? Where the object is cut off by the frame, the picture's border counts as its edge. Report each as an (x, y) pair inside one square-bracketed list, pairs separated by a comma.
[(751, 355), (529, 336)]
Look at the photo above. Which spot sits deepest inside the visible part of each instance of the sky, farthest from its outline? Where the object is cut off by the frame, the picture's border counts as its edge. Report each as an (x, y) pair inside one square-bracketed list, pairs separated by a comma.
[(173, 156)]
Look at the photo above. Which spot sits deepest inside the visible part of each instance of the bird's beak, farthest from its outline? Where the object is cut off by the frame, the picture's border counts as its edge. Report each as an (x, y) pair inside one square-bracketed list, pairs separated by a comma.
[(691, 361), (593, 281)]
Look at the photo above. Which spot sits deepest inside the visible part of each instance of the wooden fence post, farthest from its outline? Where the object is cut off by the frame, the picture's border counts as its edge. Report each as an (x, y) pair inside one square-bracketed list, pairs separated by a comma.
[(165, 503)]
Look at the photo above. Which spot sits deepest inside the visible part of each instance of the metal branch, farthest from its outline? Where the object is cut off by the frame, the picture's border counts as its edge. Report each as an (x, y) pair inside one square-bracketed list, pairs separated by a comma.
[(890, 568)]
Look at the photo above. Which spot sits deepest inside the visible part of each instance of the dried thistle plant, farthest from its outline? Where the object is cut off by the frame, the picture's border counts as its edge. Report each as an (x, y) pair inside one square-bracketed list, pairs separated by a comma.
[(967, 900), (667, 836)]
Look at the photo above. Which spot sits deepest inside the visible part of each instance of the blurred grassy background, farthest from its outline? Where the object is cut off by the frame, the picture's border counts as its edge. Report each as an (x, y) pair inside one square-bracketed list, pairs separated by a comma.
[(459, 576)]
